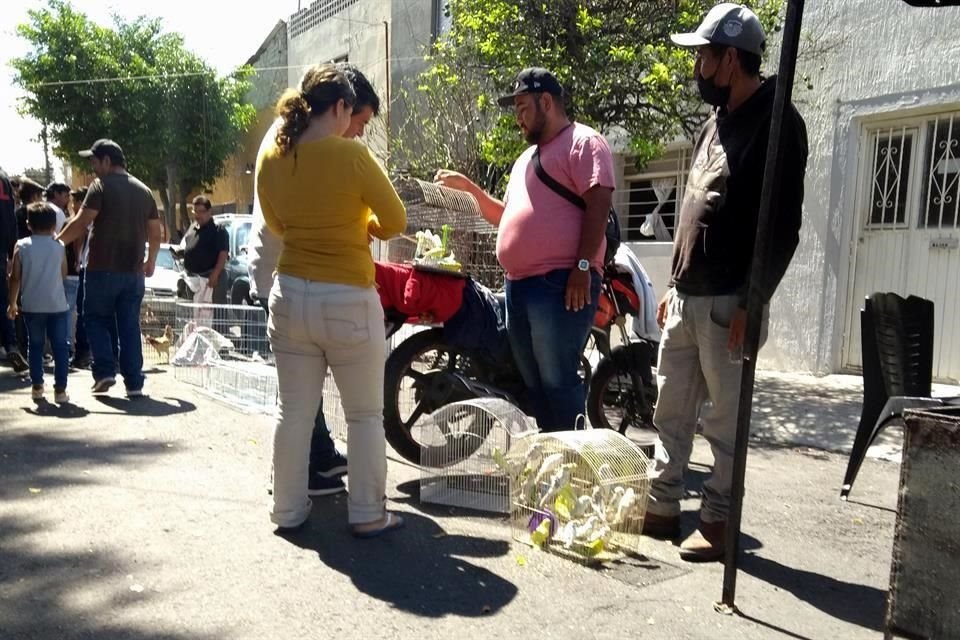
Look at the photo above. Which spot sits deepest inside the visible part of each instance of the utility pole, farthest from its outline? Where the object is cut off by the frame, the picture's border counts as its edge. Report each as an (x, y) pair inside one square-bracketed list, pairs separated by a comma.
[(47, 169)]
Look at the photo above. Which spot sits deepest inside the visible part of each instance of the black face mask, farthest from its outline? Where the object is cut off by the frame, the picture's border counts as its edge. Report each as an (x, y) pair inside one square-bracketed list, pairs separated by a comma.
[(711, 93)]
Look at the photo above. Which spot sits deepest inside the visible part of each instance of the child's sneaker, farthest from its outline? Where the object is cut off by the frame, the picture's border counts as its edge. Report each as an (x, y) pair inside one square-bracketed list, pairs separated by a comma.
[(60, 396), (37, 392)]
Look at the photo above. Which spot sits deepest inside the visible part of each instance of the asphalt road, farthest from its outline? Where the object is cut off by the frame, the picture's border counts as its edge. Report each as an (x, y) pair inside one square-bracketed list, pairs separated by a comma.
[(148, 519)]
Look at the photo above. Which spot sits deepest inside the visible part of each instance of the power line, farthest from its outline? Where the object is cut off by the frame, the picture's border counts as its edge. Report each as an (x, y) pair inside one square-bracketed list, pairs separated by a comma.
[(164, 76)]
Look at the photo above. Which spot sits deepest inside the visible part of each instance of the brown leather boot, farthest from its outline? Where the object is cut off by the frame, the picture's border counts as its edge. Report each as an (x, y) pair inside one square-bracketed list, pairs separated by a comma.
[(661, 527), (706, 544)]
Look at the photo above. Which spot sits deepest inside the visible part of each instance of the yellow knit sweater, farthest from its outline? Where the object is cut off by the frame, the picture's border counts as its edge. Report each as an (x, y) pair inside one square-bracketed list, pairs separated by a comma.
[(325, 198)]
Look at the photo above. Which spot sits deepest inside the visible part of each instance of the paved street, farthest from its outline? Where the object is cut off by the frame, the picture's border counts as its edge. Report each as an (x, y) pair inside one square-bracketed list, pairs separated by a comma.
[(148, 519)]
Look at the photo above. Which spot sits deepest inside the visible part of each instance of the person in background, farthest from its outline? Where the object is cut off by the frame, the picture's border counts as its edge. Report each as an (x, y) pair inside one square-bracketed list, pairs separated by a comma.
[(39, 267), (327, 465), (125, 218), (8, 240), (205, 248), (29, 192), (58, 194), (325, 196), (81, 350)]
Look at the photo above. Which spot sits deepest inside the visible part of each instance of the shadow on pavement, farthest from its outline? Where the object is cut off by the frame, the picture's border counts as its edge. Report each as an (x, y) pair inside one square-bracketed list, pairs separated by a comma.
[(49, 591), (815, 412), (147, 406), (66, 411), (41, 460), (854, 603), (65, 594), (418, 569)]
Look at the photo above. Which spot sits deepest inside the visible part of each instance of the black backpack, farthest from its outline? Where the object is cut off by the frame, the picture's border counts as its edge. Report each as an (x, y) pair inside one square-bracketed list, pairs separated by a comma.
[(613, 222)]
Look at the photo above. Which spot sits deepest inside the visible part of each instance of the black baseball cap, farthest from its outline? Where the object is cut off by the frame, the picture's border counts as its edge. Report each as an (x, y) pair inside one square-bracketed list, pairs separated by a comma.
[(105, 148), (532, 80)]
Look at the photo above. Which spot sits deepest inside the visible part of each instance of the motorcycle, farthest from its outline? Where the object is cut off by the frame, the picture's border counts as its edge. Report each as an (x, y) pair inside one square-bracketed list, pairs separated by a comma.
[(428, 370)]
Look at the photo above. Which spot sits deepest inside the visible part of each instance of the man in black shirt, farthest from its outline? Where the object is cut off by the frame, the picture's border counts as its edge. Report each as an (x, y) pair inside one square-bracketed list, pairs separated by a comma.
[(205, 247), (703, 315), (8, 239)]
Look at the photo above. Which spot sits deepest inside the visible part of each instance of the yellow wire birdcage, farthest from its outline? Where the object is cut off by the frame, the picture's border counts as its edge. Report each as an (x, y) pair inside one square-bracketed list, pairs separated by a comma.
[(581, 494)]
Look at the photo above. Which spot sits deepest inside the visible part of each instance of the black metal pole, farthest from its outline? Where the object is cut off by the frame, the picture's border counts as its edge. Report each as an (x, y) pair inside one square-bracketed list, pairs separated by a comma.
[(771, 182)]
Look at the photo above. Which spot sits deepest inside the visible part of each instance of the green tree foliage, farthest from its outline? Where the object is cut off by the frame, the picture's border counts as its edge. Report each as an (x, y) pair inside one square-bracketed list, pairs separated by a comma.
[(176, 120), (614, 57)]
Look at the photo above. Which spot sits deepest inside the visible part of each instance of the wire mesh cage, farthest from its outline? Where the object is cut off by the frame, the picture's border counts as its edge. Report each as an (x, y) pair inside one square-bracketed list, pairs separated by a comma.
[(242, 329), (224, 350), (470, 238), (464, 465), (251, 386), (580, 494), (158, 322)]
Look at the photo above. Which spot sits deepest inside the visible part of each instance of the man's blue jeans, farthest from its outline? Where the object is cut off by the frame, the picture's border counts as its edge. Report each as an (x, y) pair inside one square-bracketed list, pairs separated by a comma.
[(112, 299), (547, 341), (40, 327), (8, 333)]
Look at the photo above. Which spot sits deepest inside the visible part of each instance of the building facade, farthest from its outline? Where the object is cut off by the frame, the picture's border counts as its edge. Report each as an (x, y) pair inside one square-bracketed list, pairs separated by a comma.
[(882, 188)]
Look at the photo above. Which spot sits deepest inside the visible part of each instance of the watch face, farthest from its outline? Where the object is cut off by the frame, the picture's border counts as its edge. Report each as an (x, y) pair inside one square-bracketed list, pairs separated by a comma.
[(583, 265)]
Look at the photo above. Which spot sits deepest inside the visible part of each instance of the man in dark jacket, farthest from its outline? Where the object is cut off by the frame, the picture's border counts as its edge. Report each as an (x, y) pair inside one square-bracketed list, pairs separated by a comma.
[(703, 314), (8, 239)]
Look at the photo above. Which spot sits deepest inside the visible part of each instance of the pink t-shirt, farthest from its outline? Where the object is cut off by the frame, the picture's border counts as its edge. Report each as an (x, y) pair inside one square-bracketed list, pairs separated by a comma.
[(540, 230)]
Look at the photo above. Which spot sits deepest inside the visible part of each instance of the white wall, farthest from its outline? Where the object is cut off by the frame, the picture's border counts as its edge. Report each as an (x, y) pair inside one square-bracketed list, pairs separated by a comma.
[(357, 32), (864, 58)]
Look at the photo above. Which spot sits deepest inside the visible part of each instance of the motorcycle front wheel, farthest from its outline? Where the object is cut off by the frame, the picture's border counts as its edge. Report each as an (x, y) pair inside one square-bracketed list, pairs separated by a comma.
[(422, 375)]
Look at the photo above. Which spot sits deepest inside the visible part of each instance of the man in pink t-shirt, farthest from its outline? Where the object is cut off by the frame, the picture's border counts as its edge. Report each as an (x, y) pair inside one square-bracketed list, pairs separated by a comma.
[(551, 249)]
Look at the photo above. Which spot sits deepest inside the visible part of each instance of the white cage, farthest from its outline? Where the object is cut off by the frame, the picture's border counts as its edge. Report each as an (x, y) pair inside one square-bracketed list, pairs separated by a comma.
[(463, 466), (580, 494), (158, 325)]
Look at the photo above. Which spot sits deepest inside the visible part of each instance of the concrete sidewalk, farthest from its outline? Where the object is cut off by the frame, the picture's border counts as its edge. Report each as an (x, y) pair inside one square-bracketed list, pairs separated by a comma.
[(148, 519)]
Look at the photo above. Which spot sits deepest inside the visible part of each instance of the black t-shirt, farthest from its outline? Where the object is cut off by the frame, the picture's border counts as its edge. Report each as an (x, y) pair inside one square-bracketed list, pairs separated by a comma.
[(8, 220), (202, 247)]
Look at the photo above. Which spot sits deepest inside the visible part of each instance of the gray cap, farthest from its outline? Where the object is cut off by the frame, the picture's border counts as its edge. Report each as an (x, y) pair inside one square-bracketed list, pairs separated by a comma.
[(727, 24)]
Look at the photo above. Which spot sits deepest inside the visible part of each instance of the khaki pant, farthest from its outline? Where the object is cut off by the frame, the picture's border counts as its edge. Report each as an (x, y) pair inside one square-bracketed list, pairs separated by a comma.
[(314, 325), (695, 366)]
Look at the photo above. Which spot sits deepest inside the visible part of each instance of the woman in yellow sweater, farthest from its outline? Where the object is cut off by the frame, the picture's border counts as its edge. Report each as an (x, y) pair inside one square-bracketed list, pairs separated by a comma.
[(325, 196)]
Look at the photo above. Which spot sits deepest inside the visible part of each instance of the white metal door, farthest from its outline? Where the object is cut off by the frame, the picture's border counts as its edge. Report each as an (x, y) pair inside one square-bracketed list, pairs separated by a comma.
[(908, 238)]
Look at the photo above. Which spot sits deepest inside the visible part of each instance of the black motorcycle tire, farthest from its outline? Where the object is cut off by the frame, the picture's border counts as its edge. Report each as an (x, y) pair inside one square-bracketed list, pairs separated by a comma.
[(397, 432), (613, 371)]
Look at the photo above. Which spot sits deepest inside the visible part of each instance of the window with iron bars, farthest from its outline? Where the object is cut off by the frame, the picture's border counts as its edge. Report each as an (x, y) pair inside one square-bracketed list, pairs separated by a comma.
[(914, 177), (648, 205)]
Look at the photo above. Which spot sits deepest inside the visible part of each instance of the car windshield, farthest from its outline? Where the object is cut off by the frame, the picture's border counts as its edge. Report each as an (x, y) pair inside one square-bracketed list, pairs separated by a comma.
[(243, 235), (165, 260)]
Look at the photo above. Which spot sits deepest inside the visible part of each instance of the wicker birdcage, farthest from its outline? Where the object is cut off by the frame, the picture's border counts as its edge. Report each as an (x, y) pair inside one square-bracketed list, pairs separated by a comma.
[(463, 464), (472, 239), (580, 494)]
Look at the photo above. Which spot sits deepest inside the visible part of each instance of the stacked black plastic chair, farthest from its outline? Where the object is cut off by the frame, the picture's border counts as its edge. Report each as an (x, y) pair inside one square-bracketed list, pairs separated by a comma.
[(897, 343)]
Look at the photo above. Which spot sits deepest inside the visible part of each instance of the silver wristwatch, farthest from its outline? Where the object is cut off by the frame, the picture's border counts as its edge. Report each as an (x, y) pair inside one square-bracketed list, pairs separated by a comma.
[(583, 265)]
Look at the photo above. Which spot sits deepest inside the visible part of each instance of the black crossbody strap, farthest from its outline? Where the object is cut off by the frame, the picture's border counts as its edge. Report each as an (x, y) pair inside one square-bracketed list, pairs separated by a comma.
[(555, 186)]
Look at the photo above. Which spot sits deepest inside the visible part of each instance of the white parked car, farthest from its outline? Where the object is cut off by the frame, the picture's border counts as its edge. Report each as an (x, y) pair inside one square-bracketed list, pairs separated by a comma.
[(163, 282)]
